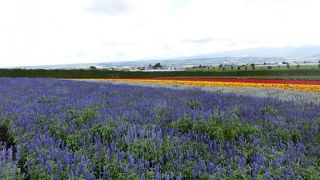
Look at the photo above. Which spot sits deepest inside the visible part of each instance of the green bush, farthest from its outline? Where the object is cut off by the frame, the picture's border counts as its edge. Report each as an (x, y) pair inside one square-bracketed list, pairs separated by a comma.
[(87, 114), (215, 128), (147, 149), (104, 130), (5, 131), (184, 125), (285, 135), (4, 122), (162, 112), (269, 110), (95, 73), (194, 105), (74, 140), (58, 129)]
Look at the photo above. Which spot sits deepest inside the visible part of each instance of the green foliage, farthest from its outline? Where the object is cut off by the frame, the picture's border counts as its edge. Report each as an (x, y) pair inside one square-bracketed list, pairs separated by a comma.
[(71, 112), (38, 172), (162, 112), (104, 130), (249, 150), (148, 149), (133, 175), (269, 110), (4, 122), (43, 100), (241, 173), (184, 125), (5, 130), (87, 114), (316, 141), (194, 105), (58, 129), (10, 172), (95, 73), (311, 172), (286, 135), (74, 140), (215, 128), (157, 65), (115, 172), (92, 67)]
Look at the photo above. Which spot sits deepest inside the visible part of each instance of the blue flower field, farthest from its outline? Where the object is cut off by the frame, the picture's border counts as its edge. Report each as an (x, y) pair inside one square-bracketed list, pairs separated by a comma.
[(63, 129)]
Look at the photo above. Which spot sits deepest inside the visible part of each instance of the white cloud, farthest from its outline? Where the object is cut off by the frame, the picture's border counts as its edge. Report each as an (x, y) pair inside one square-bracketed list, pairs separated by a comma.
[(110, 7), (57, 31)]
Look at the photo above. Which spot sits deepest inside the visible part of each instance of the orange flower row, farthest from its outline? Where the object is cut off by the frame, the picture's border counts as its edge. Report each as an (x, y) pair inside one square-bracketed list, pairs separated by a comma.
[(297, 87)]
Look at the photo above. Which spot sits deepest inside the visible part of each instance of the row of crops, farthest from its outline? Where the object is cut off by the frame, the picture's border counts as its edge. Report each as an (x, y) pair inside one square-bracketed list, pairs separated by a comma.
[(62, 129), (83, 73), (296, 85)]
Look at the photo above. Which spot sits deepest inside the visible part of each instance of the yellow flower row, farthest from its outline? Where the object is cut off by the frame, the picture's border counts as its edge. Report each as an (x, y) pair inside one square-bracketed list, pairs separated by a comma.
[(297, 87)]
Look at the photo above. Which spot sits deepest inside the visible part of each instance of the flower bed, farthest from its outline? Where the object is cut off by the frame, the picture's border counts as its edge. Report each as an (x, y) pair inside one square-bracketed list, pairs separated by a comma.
[(251, 80), (60, 129), (233, 83)]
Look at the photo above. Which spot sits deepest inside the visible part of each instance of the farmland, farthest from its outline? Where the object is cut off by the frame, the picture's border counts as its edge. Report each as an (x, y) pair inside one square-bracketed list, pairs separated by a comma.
[(298, 85), (65, 129), (311, 74)]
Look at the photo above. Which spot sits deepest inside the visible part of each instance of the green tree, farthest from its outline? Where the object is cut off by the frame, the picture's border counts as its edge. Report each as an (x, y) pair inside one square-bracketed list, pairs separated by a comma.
[(92, 67), (157, 65), (253, 66)]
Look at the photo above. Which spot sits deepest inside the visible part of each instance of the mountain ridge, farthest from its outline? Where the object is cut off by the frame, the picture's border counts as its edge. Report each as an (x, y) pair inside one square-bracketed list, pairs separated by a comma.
[(269, 54)]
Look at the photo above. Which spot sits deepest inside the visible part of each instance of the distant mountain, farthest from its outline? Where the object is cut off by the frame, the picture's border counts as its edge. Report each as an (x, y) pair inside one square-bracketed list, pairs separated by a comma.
[(316, 56), (285, 52), (175, 62), (253, 55)]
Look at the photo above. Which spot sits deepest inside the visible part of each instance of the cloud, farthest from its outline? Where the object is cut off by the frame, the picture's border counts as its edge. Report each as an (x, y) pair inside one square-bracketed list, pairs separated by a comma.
[(205, 40), (110, 7), (251, 41), (119, 44), (111, 30)]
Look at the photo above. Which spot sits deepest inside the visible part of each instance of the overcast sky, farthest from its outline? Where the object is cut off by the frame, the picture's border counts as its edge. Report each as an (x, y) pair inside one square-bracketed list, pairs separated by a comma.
[(38, 32)]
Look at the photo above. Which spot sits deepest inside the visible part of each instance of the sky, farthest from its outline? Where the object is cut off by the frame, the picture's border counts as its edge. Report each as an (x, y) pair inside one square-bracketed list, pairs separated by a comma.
[(43, 32)]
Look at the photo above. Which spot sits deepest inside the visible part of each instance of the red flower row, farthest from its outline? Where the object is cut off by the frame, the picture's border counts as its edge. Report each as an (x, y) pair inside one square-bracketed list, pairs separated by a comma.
[(247, 80)]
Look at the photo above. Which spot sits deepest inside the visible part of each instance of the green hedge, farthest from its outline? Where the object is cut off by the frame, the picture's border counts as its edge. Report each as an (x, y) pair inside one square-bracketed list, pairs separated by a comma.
[(120, 74)]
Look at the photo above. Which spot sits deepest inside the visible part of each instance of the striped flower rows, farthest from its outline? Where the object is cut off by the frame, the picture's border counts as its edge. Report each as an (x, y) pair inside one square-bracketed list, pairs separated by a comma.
[(60, 129), (198, 82)]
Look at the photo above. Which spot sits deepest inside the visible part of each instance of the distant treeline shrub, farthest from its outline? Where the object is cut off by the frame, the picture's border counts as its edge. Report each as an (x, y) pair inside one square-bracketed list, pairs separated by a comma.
[(95, 73)]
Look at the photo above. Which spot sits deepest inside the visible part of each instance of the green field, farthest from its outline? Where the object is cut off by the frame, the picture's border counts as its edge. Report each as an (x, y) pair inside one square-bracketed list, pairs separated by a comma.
[(292, 73)]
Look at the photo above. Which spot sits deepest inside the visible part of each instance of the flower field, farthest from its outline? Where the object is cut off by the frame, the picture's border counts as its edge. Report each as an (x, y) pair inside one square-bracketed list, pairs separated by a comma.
[(63, 129), (297, 85)]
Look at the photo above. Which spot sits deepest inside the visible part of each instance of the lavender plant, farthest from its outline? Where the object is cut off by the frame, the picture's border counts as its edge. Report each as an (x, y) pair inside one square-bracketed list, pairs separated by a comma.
[(60, 129)]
